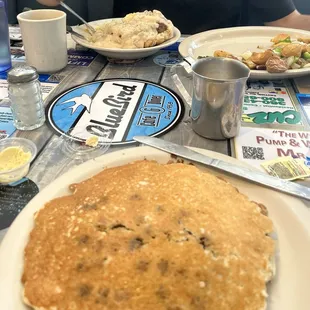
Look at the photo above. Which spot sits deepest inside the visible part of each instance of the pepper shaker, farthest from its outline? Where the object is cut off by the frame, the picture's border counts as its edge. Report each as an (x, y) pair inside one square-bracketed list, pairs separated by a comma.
[(25, 96)]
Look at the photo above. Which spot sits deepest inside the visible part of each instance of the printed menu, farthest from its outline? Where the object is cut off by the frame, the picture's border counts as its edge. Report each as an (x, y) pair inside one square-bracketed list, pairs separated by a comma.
[(268, 129), (268, 102), (304, 100), (82, 58), (256, 145)]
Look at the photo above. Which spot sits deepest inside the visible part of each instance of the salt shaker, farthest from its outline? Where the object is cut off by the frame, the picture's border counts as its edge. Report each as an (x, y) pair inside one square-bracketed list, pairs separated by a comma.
[(25, 96)]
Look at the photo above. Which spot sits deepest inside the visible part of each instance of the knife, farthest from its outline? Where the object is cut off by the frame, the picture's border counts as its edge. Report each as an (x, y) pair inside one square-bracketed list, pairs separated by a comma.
[(261, 178)]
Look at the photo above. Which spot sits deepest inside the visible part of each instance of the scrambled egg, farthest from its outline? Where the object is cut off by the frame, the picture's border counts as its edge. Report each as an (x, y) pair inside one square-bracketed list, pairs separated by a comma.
[(13, 157)]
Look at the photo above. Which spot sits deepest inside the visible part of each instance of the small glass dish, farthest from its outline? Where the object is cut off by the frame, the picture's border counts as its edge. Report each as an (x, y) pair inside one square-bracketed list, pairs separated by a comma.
[(14, 175), (78, 149)]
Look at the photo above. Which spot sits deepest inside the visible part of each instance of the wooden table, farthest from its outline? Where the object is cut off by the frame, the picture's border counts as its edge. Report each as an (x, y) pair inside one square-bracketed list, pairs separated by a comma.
[(51, 163)]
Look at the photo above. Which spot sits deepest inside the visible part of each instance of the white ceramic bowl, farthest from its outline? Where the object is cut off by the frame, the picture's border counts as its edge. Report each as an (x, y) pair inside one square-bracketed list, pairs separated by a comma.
[(118, 53), (14, 175)]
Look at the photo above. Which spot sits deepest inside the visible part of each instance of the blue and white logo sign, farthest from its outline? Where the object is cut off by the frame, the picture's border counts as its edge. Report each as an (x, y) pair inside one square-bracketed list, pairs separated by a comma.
[(167, 60), (123, 107)]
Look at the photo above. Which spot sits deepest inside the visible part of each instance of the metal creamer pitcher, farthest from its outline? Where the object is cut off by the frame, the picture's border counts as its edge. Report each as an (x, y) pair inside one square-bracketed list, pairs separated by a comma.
[(217, 99)]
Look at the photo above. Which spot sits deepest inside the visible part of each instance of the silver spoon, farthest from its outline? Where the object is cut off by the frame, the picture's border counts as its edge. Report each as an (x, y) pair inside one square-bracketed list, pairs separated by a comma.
[(70, 30), (88, 26)]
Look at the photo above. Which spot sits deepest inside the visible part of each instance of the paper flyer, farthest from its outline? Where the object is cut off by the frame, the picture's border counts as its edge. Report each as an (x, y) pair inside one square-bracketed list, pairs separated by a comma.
[(256, 145), (80, 58), (269, 102), (13, 198), (6, 123), (3, 89), (6, 118), (304, 100)]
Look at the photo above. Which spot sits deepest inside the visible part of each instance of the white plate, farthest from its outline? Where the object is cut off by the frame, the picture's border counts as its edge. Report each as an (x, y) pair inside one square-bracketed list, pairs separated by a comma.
[(119, 53), (238, 40), (290, 289)]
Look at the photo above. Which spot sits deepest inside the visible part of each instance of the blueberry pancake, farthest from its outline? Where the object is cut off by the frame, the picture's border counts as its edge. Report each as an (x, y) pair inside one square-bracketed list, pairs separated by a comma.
[(150, 236)]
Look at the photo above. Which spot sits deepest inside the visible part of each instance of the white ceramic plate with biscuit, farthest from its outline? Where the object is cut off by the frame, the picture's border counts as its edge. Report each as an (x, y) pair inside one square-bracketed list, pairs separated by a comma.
[(238, 40), (288, 290), (118, 53)]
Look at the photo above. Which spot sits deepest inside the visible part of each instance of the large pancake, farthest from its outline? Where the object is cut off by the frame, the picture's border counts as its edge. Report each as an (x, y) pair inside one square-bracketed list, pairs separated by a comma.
[(150, 236)]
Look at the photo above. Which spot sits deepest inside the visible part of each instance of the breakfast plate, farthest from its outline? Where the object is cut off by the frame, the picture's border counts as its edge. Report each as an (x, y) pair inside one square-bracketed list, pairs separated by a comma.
[(118, 53), (238, 40), (289, 290)]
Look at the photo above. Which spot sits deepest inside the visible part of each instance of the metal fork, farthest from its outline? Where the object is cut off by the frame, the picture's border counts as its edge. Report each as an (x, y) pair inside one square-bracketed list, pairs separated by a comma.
[(88, 26)]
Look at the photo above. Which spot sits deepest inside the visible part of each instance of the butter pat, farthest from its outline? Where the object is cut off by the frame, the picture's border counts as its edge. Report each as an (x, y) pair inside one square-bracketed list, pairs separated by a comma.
[(92, 141), (13, 157), (287, 168)]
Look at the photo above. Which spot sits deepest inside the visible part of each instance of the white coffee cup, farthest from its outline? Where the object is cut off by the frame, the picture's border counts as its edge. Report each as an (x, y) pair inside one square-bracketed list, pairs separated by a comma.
[(45, 39)]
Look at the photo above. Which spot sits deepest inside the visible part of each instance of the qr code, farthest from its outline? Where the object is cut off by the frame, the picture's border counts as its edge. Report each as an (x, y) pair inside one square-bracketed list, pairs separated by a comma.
[(250, 152), (3, 136)]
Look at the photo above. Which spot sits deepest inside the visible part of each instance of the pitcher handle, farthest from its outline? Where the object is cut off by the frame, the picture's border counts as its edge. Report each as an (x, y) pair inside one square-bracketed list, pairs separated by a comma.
[(187, 66), (189, 60)]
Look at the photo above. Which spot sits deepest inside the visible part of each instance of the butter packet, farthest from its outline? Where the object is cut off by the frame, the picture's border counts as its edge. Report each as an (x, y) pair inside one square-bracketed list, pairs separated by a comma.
[(287, 168)]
